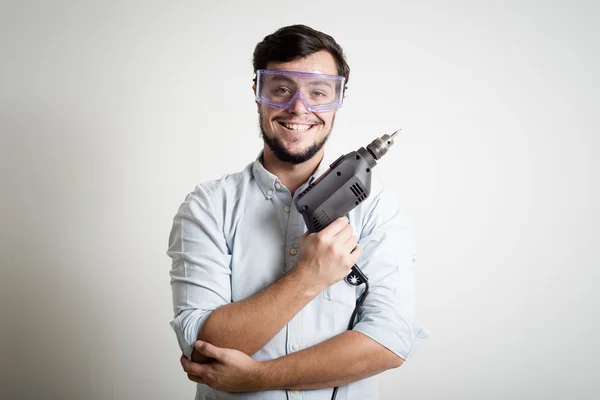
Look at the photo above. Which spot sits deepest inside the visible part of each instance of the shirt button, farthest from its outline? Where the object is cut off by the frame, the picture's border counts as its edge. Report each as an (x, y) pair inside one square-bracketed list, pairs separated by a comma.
[(414, 258), (286, 209), (269, 192), (296, 347), (295, 392), (293, 251), (278, 185)]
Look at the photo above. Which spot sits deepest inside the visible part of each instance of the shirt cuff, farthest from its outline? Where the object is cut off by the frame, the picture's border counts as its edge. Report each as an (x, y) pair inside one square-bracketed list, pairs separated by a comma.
[(187, 326), (402, 339)]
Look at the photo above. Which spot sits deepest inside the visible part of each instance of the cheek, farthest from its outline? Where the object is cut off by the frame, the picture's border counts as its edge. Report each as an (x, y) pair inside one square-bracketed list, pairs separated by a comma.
[(267, 114), (326, 118)]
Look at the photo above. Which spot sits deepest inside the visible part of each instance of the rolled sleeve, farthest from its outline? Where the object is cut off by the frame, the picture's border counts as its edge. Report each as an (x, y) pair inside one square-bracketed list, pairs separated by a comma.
[(201, 266), (387, 312)]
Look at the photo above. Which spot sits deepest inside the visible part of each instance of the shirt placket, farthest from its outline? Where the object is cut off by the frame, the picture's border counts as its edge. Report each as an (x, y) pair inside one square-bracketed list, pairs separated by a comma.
[(294, 230)]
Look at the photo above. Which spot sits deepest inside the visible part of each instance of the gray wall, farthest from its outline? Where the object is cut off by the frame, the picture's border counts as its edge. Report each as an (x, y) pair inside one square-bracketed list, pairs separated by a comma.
[(111, 112)]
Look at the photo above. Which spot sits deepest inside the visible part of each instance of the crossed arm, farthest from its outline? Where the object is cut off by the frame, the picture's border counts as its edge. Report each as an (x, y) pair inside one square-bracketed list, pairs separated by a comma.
[(250, 324), (232, 332)]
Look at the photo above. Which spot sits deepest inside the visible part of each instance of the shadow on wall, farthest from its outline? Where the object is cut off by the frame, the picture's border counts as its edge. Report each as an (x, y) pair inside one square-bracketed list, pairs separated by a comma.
[(52, 290), (72, 298)]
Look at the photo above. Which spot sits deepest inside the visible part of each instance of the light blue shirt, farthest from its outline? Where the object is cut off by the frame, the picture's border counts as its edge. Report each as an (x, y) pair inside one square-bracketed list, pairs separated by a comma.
[(234, 236)]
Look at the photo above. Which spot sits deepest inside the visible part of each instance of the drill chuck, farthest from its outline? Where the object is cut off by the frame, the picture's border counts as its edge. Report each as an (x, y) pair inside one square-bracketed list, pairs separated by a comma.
[(378, 147)]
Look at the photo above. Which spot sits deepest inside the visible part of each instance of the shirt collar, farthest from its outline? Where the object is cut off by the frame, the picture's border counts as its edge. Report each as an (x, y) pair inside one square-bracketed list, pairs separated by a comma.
[(267, 181)]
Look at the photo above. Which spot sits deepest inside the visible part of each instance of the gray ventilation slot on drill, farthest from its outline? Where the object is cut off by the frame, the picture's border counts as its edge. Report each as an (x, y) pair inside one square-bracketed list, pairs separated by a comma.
[(358, 192), (320, 221)]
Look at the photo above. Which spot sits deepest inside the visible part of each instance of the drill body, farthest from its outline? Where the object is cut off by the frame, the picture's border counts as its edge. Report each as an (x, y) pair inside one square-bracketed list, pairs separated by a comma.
[(341, 188)]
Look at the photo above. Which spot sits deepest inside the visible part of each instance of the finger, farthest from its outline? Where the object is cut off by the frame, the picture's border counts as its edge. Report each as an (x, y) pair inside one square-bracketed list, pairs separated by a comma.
[(345, 234), (336, 226), (350, 244), (356, 252), (208, 349), (196, 379), (192, 368)]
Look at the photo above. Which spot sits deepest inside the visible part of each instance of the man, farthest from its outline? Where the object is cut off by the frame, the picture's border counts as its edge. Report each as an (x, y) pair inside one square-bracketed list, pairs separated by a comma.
[(261, 307)]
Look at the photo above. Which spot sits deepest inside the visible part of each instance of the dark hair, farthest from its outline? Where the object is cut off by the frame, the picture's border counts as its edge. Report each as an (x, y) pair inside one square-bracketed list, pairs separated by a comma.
[(296, 41)]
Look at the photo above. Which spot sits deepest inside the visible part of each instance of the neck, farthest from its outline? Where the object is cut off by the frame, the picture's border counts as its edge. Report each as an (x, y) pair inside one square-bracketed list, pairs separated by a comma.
[(292, 176)]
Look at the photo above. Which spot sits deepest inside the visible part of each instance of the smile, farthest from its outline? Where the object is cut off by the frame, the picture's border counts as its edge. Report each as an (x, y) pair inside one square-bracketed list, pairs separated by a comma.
[(296, 127)]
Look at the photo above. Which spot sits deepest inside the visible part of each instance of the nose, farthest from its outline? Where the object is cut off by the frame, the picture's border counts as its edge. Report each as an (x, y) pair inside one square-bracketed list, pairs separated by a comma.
[(298, 107)]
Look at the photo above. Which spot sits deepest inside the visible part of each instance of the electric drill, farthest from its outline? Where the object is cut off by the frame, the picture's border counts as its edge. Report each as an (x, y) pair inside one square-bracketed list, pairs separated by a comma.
[(342, 187)]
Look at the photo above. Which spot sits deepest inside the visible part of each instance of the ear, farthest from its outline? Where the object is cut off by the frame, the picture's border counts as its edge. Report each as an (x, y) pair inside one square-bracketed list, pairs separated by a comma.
[(257, 103)]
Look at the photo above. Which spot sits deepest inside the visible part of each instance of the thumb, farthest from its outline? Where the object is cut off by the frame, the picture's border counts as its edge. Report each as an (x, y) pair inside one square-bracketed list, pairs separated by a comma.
[(208, 349)]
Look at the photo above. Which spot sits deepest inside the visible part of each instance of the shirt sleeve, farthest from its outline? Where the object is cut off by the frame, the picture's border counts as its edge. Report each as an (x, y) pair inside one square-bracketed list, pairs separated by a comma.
[(387, 312), (201, 266)]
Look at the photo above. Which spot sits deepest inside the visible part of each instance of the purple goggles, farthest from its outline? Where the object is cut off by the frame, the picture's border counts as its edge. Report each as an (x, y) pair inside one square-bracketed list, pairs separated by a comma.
[(281, 89)]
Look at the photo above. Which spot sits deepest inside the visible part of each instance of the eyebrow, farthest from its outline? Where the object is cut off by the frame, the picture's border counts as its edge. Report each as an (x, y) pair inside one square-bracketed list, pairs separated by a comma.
[(281, 78), (313, 83), (321, 83)]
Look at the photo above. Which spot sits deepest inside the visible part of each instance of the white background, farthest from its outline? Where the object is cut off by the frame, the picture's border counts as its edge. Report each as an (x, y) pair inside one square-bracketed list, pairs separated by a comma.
[(111, 112)]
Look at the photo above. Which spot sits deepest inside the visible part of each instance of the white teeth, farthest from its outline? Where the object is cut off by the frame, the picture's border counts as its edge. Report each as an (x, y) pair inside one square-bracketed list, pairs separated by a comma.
[(296, 127)]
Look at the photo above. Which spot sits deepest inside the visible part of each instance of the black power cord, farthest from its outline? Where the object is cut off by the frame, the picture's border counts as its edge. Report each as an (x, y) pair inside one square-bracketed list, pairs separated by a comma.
[(352, 318)]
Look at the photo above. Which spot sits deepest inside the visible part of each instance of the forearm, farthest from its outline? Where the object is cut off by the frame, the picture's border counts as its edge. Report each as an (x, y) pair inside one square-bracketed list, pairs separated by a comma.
[(345, 358), (248, 325)]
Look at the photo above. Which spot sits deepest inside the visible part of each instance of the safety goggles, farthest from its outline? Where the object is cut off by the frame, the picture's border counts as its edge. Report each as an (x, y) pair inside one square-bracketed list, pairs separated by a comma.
[(281, 89)]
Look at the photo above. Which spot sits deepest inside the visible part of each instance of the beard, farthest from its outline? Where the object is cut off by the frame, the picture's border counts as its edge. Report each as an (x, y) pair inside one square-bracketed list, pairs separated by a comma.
[(279, 150)]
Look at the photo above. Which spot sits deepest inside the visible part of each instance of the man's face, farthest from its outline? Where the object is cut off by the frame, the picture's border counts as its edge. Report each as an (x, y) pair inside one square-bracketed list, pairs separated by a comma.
[(295, 135)]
